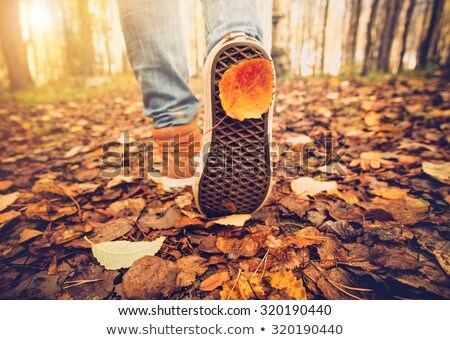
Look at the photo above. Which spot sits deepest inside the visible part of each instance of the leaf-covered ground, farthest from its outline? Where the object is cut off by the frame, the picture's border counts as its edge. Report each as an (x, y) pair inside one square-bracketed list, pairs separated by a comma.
[(381, 231)]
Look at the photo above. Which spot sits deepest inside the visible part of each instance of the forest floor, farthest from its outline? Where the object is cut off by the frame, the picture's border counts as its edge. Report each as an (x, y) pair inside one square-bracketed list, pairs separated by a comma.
[(381, 233)]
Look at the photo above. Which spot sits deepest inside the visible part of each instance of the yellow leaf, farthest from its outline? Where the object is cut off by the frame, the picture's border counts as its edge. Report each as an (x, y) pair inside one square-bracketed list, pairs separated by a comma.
[(392, 193), (287, 282)]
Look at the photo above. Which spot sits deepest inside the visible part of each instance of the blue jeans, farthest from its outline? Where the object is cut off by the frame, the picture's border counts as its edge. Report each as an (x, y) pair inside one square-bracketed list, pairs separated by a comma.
[(155, 47)]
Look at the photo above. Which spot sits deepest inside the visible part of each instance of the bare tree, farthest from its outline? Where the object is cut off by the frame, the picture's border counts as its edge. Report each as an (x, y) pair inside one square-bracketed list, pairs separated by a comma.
[(349, 51), (281, 36), (433, 28), (88, 53), (409, 14), (13, 47), (368, 49), (392, 10), (324, 37)]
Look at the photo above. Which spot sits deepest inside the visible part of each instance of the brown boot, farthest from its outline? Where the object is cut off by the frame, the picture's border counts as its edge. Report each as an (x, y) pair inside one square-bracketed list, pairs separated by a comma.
[(177, 145)]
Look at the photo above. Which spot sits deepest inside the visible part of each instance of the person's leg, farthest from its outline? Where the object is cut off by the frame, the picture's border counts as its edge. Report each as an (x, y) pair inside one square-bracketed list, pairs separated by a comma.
[(228, 16), (235, 164), (155, 46)]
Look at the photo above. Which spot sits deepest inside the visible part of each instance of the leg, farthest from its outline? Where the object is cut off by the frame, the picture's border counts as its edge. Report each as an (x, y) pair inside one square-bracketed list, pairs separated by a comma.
[(226, 16), (155, 46), (235, 166)]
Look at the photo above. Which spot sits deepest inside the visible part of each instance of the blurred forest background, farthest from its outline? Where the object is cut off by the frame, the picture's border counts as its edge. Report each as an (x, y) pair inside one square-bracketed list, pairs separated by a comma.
[(49, 41)]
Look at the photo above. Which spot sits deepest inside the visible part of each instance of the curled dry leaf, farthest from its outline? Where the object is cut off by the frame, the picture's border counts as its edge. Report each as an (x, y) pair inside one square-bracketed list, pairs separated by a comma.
[(214, 281), (122, 254), (150, 277), (307, 186), (246, 89)]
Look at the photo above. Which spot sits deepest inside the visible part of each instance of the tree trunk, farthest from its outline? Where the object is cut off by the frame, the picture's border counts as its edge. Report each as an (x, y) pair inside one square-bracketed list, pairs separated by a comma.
[(433, 27), (391, 13), (349, 51), (409, 13), (88, 54), (324, 37), (281, 36), (13, 47), (368, 49)]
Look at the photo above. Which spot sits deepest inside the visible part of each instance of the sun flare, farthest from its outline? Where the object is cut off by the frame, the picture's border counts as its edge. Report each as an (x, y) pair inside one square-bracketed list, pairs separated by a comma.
[(40, 15)]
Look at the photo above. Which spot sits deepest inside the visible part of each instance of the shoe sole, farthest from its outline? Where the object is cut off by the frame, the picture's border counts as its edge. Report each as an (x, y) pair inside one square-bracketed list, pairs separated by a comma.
[(235, 165)]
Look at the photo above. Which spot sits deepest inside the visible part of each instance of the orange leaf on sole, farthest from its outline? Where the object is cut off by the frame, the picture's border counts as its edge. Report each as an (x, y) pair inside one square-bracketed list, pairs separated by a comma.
[(246, 89)]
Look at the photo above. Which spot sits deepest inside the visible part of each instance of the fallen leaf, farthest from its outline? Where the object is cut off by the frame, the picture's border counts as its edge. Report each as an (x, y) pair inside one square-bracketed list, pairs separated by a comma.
[(8, 199), (47, 211), (393, 258), (300, 139), (184, 200), (150, 277), (5, 185), (306, 186), (234, 247), (440, 171), (243, 289), (122, 254), (160, 219), (214, 281), (232, 220), (7, 217), (285, 281), (306, 237), (190, 266), (390, 192), (111, 230), (246, 89), (28, 234), (128, 207)]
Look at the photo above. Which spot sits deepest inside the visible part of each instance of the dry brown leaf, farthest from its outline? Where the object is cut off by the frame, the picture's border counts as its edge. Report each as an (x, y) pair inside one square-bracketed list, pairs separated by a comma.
[(160, 219), (214, 281), (190, 266), (247, 246), (246, 89), (47, 211), (390, 192), (150, 277), (128, 207), (306, 237), (28, 234), (7, 217)]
